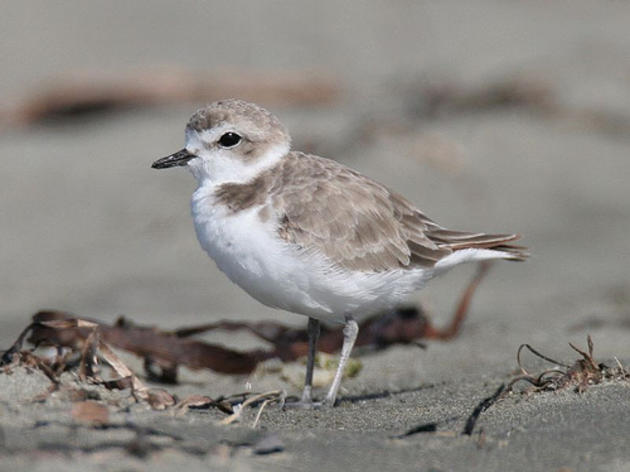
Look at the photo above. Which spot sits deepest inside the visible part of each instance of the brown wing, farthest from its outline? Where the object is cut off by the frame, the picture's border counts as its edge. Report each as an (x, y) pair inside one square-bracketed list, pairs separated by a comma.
[(326, 207)]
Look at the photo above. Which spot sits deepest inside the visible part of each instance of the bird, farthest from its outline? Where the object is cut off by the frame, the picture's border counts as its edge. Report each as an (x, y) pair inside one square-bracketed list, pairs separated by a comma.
[(308, 235)]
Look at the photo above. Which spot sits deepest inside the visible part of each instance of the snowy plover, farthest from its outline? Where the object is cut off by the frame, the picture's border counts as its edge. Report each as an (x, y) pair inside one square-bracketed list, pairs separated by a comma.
[(308, 235)]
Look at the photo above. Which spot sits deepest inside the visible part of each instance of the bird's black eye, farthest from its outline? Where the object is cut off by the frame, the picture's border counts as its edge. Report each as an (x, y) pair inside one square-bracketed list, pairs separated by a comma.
[(229, 140)]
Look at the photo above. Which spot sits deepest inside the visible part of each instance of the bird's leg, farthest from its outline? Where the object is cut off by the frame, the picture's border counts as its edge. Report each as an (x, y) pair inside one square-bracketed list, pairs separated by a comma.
[(350, 333), (313, 337), (307, 397)]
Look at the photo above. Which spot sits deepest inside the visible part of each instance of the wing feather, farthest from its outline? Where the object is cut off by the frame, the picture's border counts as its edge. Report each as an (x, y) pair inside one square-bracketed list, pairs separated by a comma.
[(360, 224)]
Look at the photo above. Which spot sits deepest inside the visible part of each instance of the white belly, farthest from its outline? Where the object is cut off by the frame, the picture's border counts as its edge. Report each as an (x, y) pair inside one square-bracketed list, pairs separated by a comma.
[(279, 275)]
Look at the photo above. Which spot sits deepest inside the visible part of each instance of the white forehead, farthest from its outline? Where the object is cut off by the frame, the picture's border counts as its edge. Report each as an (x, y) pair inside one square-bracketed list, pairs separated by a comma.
[(247, 119), (209, 135)]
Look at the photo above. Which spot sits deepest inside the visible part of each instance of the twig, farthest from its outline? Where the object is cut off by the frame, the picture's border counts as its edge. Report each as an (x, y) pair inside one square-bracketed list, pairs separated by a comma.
[(260, 410), (480, 408), (88, 355), (462, 306), (588, 357), (536, 353), (238, 411), (7, 356)]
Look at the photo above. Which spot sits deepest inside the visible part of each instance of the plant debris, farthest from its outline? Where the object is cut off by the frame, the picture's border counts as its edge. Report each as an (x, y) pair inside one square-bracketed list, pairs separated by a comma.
[(90, 350), (276, 396), (523, 91), (579, 375), (87, 93), (164, 351), (63, 342), (481, 407)]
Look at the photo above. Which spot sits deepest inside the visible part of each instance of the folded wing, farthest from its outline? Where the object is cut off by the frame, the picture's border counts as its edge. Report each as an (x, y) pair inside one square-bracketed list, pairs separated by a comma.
[(359, 224)]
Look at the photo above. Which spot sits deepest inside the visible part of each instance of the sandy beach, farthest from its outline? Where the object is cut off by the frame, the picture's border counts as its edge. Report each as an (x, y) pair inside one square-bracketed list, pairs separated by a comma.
[(490, 116)]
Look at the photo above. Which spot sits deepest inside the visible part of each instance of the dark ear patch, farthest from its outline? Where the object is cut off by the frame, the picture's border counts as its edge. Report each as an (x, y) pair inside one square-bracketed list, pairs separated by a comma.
[(251, 151)]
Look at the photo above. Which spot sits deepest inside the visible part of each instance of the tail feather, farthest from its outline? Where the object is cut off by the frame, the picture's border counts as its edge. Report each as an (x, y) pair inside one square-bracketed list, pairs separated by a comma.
[(458, 240), (514, 252)]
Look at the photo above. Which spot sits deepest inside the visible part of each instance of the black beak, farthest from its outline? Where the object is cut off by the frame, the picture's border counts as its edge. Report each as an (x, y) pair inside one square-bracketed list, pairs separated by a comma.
[(180, 158)]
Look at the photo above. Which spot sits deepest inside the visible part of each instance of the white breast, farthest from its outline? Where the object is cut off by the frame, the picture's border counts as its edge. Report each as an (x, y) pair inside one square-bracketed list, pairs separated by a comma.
[(279, 275)]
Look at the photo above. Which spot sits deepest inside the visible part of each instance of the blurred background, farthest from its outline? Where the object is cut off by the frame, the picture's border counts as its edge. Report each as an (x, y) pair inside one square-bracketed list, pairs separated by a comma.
[(491, 116)]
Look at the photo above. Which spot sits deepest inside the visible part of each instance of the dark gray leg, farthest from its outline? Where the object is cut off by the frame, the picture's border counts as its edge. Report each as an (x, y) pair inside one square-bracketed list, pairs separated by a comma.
[(350, 333), (313, 337)]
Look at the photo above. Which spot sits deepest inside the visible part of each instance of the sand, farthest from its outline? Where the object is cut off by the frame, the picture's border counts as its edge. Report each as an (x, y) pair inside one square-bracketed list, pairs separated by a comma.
[(88, 227)]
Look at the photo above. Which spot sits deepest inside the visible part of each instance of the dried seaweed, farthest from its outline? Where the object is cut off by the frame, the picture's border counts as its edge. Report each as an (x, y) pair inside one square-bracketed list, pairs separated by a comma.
[(164, 351), (527, 92), (70, 343), (90, 93), (505, 92), (579, 375), (90, 349), (276, 396), (481, 407)]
